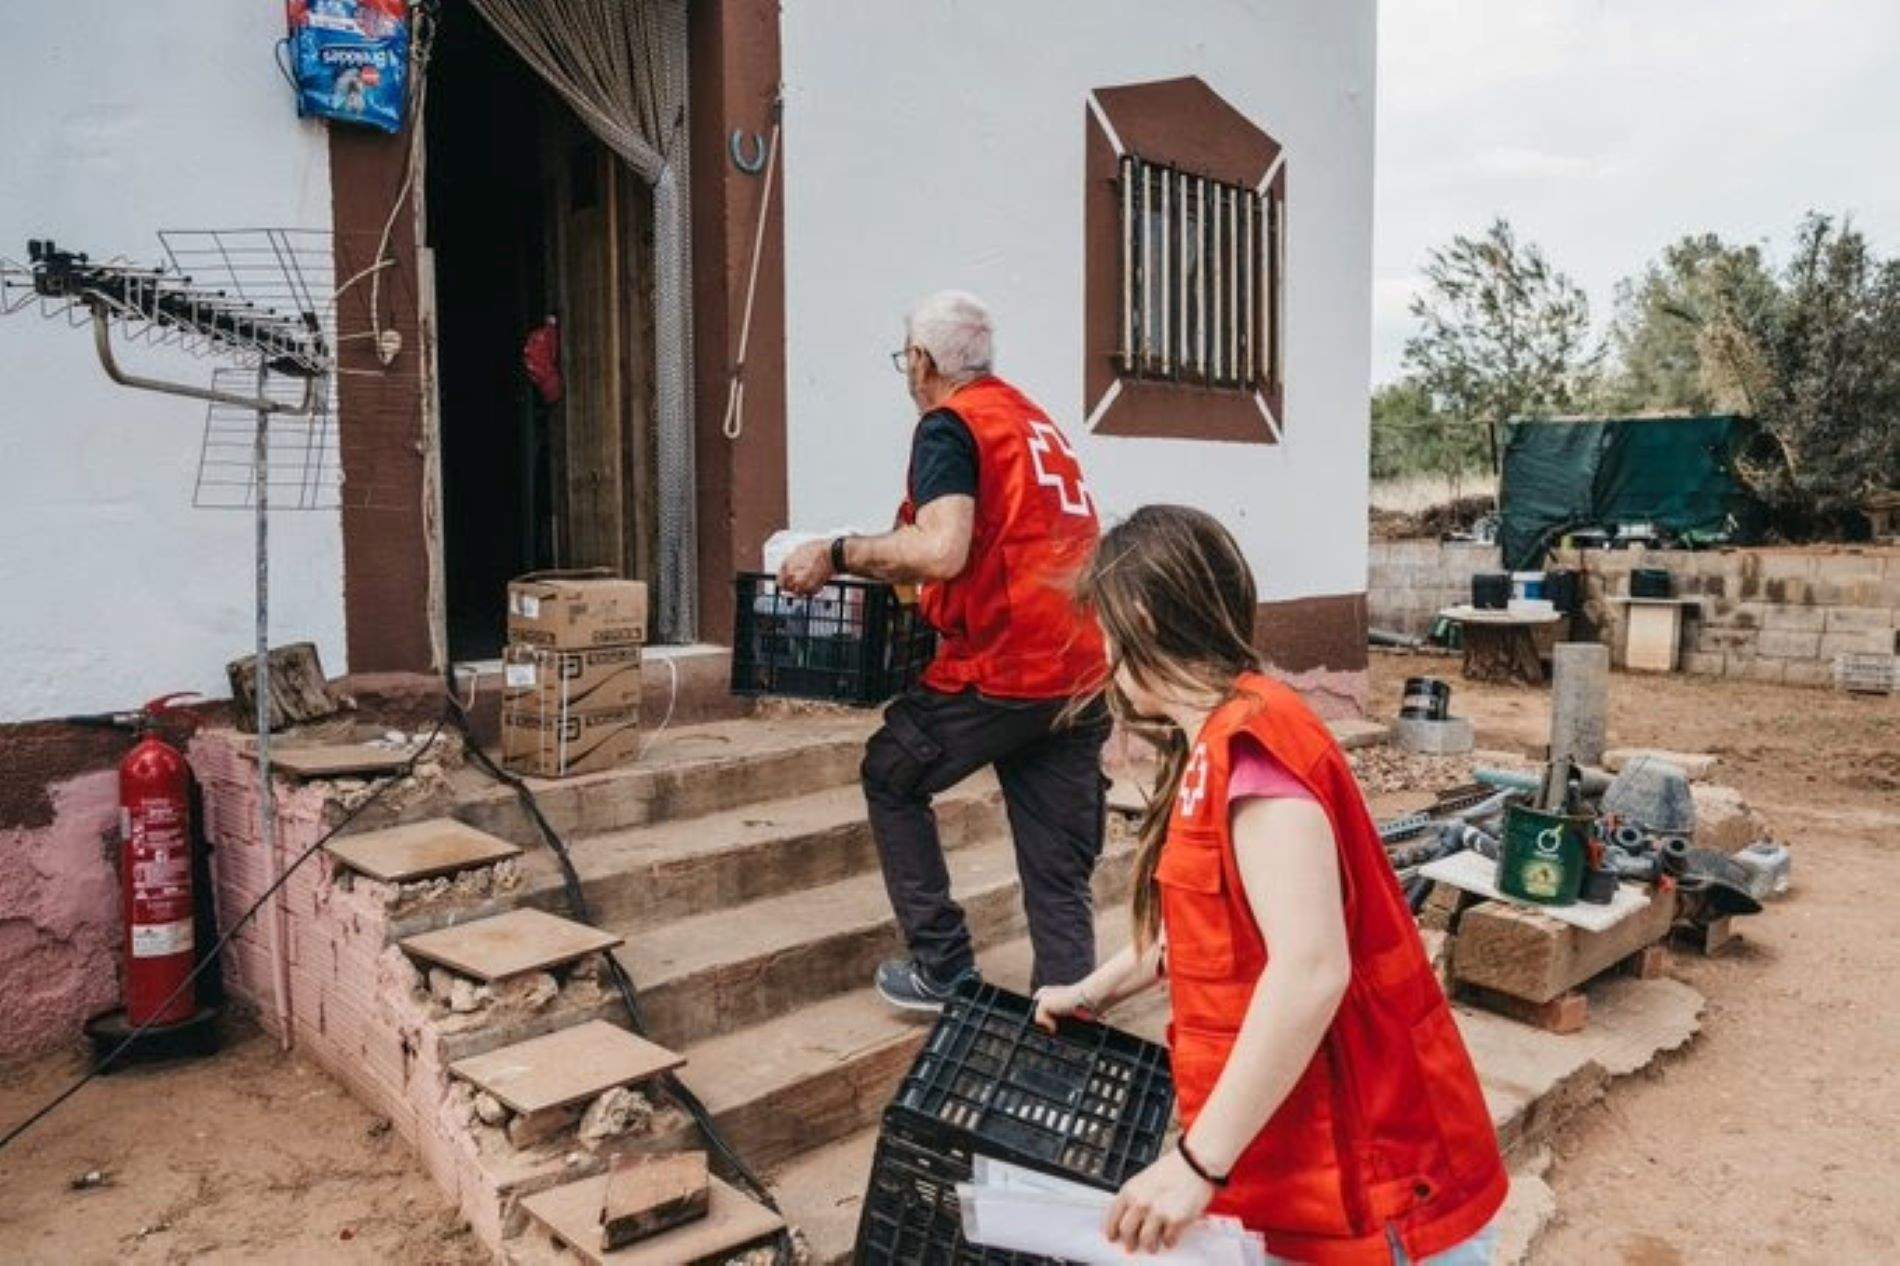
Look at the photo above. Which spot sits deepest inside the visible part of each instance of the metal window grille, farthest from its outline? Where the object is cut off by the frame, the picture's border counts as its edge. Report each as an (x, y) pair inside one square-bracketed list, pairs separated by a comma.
[(1202, 267)]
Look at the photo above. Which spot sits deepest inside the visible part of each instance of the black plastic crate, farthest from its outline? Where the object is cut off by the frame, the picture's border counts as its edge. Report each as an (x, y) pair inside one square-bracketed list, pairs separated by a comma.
[(911, 1216), (1087, 1102), (852, 642)]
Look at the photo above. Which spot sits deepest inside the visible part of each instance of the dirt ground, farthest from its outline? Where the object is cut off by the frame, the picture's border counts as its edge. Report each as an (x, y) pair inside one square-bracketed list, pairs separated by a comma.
[(251, 1156), (1775, 1137)]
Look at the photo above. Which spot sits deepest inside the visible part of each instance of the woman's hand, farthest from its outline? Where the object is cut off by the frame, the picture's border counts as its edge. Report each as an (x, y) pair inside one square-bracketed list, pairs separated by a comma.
[(1055, 1002), (1157, 1205)]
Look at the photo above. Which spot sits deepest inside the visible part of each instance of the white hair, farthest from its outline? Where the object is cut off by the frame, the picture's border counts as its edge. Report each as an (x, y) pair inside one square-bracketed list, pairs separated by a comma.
[(954, 327)]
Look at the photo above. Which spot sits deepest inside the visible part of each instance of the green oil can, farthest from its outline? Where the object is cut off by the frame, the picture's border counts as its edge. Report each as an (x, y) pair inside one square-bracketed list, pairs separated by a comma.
[(1544, 856)]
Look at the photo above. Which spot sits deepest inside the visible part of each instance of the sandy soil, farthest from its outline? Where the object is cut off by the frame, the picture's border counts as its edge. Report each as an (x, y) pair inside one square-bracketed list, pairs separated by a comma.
[(252, 1156), (1776, 1136)]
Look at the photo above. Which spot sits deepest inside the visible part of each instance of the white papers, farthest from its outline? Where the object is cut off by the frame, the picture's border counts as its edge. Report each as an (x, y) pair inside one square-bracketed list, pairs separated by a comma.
[(1019, 1210)]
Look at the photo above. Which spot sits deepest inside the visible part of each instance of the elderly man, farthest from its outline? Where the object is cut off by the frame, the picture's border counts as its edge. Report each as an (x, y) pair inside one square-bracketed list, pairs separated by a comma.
[(997, 524)]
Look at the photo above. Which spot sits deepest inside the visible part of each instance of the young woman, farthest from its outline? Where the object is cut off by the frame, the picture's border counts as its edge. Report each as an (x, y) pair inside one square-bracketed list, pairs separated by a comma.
[(1326, 1099)]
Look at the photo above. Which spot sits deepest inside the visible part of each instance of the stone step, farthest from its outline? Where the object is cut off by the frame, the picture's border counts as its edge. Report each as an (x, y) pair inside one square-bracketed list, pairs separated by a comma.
[(723, 971), (688, 772), (419, 850), (567, 1220), (822, 1194), (677, 869), (504, 945), (565, 1067), (818, 1074)]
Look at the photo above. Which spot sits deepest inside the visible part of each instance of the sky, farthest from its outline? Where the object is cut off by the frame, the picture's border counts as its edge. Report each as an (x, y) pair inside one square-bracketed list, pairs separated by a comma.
[(1606, 129)]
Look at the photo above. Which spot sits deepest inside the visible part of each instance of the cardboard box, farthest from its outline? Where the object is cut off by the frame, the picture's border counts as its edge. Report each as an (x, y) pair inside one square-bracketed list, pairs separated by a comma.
[(573, 610), (599, 679), (549, 745)]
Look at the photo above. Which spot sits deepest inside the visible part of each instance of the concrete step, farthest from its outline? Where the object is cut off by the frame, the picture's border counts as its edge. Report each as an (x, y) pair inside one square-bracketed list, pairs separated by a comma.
[(822, 1194), (685, 867), (822, 1072), (726, 970), (688, 772)]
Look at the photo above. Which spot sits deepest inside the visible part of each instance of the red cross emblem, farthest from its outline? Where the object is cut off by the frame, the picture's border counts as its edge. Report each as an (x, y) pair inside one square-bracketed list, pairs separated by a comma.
[(1057, 468), (1193, 791)]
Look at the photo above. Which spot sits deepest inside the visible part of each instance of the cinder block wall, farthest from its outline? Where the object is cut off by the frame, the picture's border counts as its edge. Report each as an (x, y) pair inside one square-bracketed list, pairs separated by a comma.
[(1763, 614), (1409, 582)]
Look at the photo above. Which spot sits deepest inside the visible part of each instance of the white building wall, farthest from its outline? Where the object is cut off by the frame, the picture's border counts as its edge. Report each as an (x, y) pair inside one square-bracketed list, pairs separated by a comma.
[(939, 143), (122, 119)]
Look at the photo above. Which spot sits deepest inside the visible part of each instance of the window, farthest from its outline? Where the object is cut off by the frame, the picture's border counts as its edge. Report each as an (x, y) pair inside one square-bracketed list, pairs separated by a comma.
[(1184, 288), (1200, 274)]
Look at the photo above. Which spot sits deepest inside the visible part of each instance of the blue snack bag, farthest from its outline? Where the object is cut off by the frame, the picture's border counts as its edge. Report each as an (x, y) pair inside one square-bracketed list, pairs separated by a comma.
[(350, 60)]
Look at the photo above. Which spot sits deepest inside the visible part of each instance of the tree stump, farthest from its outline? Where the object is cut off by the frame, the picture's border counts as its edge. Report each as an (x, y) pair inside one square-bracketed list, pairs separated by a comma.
[(298, 690)]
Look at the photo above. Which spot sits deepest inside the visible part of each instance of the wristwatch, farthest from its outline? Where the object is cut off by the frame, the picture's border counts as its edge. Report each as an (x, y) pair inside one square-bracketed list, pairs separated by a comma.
[(837, 555)]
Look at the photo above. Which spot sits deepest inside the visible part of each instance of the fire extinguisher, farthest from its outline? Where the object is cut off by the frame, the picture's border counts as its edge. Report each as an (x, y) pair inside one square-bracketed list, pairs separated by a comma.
[(155, 825)]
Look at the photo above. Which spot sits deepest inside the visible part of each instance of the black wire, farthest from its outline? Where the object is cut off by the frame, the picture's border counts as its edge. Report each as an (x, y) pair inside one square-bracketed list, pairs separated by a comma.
[(403, 771), (623, 982)]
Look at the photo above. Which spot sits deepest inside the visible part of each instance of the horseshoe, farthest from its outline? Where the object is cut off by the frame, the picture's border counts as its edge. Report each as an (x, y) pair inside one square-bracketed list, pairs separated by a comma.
[(753, 165)]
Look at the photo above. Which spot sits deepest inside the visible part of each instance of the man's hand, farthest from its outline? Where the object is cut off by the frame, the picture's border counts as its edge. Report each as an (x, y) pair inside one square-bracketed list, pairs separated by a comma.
[(1157, 1205), (806, 569)]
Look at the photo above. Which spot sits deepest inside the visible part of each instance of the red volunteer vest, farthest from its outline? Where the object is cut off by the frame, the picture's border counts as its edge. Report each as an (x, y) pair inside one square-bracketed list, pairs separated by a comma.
[(1386, 1129), (1009, 625)]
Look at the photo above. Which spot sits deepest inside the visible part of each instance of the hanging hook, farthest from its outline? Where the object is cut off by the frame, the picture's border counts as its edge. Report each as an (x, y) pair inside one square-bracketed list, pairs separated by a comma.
[(755, 163)]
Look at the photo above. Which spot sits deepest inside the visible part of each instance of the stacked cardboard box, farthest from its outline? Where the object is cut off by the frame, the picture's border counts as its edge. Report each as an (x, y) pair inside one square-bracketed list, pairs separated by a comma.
[(571, 685)]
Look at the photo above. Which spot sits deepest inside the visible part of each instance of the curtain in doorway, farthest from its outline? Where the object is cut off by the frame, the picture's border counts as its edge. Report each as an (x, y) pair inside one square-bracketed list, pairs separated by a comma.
[(621, 66)]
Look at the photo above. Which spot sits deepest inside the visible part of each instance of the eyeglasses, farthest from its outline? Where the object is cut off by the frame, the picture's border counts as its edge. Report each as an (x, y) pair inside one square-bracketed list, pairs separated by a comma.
[(900, 360)]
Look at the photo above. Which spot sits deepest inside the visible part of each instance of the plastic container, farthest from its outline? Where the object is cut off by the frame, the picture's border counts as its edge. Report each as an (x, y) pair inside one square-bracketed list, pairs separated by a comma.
[(1425, 698), (1543, 858), (1490, 590), (1527, 584), (851, 642), (1562, 588), (1087, 1102)]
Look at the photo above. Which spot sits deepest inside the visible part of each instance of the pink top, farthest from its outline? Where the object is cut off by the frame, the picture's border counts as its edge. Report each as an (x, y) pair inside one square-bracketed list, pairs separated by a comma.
[(1253, 773)]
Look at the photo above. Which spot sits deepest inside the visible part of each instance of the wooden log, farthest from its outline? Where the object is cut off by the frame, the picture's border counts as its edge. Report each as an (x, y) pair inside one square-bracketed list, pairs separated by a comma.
[(1529, 955), (1566, 1013), (650, 1194), (299, 691), (1501, 653)]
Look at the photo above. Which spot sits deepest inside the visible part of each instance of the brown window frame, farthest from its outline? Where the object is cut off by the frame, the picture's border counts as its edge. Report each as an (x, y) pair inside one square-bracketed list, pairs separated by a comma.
[(1147, 145)]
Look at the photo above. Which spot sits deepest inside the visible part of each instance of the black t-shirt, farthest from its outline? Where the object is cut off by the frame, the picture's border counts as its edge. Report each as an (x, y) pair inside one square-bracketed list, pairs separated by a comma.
[(943, 460)]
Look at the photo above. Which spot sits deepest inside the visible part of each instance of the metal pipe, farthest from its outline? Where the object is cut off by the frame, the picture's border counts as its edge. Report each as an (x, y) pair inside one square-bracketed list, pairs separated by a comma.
[(266, 798), (102, 343), (1246, 289), (1167, 288), (1218, 284), (1200, 277), (1147, 265), (1279, 291), (1181, 244), (1128, 264), (1233, 284)]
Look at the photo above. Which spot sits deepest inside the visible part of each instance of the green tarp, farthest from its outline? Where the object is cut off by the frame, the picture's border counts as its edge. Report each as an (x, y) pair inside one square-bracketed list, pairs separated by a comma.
[(1674, 473)]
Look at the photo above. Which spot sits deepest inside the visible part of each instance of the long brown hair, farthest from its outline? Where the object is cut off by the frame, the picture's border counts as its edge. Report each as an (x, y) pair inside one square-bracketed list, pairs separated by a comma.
[(1176, 599)]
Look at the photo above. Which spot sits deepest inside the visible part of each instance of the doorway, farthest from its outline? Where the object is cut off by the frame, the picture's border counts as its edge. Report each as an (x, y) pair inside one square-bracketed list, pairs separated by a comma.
[(530, 216)]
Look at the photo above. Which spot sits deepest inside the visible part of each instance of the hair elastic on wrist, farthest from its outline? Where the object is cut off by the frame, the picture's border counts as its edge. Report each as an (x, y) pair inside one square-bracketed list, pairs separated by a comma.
[(1180, 1145), (837, 553)]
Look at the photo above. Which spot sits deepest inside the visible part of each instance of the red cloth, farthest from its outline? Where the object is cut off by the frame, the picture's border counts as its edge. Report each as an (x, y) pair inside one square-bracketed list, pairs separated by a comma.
[(1387, 1127), (1009, 625), (541, 357)]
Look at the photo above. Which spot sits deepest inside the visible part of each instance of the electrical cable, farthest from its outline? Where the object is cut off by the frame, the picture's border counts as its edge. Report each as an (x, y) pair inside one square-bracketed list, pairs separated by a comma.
[(403, 771)]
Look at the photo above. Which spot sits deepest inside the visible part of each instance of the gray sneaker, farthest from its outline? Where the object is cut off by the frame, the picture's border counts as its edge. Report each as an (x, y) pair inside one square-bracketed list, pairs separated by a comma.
[(906, 983)]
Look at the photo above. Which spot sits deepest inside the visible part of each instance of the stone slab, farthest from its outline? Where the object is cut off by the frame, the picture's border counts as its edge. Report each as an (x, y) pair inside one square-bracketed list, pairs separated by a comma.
[(1475, 873), (419, 850), (1527, 954), (509, 944), (338, 760), (1694, 765), (566, 1067), (571, 1215), (649, 1195)]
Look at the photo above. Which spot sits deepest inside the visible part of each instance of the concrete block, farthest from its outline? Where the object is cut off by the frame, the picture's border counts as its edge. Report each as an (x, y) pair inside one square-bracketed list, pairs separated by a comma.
[(1810, 672), (1776, 644), (1791, 619), (1789, 590), (1860, 642), (1704, 663), (1857, 619), (1857, 589), (1773, 671), (1720, 639), (1786, 563), (1450, 737)]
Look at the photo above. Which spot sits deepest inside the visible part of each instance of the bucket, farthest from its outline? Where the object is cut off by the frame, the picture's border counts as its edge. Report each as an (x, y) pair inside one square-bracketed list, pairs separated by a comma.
[(1490, 590), (1527, 584), (1425, 699), (1543, 857)]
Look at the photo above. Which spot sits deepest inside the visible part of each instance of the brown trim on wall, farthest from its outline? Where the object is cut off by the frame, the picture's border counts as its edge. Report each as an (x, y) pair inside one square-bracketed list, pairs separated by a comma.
[(1302, 634), (741, 484), (1184, 123), (379, 416)]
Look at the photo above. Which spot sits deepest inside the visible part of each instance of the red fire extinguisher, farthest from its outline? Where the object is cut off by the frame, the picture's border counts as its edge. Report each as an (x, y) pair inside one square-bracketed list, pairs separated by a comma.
[(155, 822)]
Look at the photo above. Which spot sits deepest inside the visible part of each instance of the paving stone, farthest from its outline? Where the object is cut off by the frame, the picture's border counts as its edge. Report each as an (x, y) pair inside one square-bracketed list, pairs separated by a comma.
[(566, 1067), (419, 850), (509, 944)]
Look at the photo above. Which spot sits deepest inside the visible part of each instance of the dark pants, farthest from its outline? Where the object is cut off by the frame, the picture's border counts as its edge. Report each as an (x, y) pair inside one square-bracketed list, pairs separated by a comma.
[(1056, 796)]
